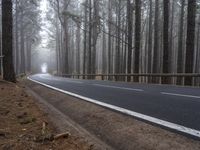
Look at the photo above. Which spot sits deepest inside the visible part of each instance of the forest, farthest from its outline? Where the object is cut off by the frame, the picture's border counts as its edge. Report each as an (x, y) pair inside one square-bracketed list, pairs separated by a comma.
[(150, 41)]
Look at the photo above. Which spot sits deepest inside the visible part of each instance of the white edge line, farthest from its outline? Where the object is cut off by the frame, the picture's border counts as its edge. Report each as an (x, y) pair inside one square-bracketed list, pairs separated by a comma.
[(182, 95), (157, 121), (116, 87)]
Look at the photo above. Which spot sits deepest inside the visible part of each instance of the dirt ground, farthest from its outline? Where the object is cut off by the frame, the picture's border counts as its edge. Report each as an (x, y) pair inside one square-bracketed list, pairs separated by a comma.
[(120, 131), (24, 126)]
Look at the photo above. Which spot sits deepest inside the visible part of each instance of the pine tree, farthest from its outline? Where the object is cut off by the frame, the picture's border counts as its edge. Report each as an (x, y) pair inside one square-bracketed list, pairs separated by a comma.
[(7, 41), (190, 40)]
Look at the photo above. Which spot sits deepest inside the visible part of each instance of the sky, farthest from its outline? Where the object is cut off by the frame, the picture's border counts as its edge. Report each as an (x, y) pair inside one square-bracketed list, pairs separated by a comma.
[(43, 6)]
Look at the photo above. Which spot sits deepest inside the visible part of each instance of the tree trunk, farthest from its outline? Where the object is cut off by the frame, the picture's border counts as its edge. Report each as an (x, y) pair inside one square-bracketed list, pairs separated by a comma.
[(78, 40), (117, 58), (180, 43), (22, 65), (85, 39), (95, 32), (104, 56), (156, 40), (90, 39), (1, 53), (7, 41), (171, 41), (57, 48), (67, 47), (149, 69), (109, 38), (190, 41), (130, 36), (16, 39), (28, 46), (166, 60), (137, 37), (198, 54), (196, 67)]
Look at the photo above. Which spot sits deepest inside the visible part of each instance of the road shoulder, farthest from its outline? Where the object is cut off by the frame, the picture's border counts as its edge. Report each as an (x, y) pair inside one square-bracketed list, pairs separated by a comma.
[(115, 129), (24, 125)]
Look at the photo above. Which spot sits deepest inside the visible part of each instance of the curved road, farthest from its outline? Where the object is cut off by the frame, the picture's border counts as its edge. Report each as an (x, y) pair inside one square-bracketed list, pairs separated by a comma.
[(177, 107)]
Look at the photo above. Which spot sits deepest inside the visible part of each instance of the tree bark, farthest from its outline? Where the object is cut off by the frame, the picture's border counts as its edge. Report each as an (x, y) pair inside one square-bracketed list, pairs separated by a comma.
[(109, 38), (7, 41), (130, 36), (117, 58), (85, 39), (156, 40), (16, 39), (78, 40), (190, 41), (22, 64), (171, 39), (166, 60), (180, 43), (149, 69), (90, 39), (137, 37)]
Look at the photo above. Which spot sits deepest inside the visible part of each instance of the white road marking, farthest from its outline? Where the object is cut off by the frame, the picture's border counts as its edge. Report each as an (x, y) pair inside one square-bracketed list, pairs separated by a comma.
[(74, 82), (160, 122), (182, 95), (116, 87)]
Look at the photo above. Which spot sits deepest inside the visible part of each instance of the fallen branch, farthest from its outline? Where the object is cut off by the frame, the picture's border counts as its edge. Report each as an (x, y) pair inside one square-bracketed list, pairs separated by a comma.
[(62, 135)]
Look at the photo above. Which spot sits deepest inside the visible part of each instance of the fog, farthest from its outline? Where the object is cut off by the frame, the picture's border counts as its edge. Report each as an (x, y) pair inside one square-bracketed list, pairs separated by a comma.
[(108, 37)]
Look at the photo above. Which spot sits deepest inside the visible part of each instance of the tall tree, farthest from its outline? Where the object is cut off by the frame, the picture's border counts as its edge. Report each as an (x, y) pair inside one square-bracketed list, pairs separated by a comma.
[(118, 42), (190, 41), (104, 46), (90, 39), (95, 32), (156, 39), (22, 43), (137, 37), (85, 37), (171, 38), (7, 41), (78, 40), (166, 62), (150, 37), (130, 35), (16, 38), (180, 43), (109, 38), (26, 32)]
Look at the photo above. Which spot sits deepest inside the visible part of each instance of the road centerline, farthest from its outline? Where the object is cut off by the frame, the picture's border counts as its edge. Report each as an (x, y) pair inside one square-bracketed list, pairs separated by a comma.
[(180, 95), (75, 82), (116, 87)]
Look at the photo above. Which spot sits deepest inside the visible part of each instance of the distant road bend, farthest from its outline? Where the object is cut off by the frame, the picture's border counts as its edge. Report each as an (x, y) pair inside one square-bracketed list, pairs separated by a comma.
[(177, 108)]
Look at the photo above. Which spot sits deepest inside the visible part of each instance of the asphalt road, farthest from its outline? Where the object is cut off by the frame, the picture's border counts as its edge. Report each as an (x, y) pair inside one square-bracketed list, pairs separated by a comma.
[(178, 105)]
